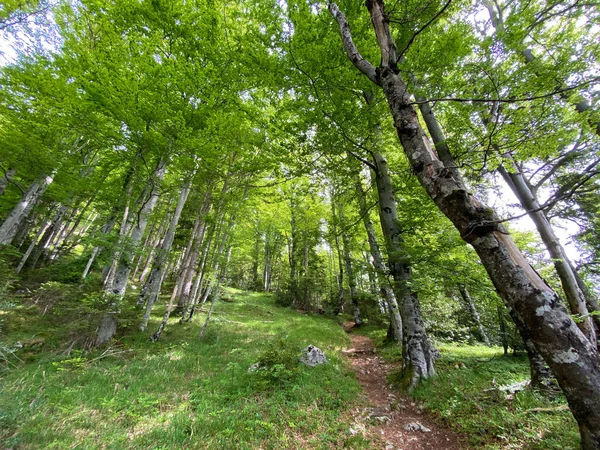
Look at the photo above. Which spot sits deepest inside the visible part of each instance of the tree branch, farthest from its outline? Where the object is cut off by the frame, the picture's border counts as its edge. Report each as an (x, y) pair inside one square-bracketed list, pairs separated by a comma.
[(353, 54), (420, 30), (507, 100)]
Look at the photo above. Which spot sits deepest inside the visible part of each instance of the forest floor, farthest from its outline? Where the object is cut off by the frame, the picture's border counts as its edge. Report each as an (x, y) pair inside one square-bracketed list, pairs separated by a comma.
[(399, 423), (187, 392)]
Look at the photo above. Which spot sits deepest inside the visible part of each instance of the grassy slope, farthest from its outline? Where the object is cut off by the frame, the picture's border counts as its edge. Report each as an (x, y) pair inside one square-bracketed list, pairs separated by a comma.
[(181, 392), (458, 397)]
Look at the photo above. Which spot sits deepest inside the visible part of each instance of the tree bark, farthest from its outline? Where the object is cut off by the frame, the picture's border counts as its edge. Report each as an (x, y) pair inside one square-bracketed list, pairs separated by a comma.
[(350, 273), (540, 374), (563, 346), (35, 240), (48, 236), (568, 278), (379, 264), (418, 352), (119, 284), (473, 314), (292, 255), (151, 288), (340, 275), (16, 219)]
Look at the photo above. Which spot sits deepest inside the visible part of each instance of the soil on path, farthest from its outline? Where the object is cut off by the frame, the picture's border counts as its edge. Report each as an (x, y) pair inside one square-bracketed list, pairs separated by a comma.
[(393, 420)]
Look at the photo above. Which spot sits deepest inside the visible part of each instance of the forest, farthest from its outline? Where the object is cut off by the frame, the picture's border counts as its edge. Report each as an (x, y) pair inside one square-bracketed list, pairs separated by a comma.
[(193, 191)]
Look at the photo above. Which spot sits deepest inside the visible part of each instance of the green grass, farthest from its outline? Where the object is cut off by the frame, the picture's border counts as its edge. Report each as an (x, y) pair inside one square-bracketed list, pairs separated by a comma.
[(493, 421), (182, 392), (457, 396)]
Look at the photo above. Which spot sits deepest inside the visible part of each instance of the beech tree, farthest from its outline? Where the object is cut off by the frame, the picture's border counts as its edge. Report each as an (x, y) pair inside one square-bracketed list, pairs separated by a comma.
[(571, 356)]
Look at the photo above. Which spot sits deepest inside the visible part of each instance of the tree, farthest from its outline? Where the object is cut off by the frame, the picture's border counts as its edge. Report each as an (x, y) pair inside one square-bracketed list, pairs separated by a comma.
[(569, 354)]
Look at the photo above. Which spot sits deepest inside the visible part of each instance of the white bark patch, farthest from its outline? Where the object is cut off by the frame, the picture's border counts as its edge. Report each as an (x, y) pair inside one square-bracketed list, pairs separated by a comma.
[(567, 357), (542, 310)]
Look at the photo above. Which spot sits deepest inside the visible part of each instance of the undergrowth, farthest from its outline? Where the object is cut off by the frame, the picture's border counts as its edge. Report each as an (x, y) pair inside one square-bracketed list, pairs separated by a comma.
[(182, 392)]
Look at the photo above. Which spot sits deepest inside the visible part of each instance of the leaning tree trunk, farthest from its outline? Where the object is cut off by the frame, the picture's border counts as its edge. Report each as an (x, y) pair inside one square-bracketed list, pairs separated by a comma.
[(188, 314), (186, 289), (16, 219), (215, 290), (563, 346), (541, 375), (119, 284), (379, 264), (151, 288), (568, 278), (34, 242), (565, 269), (108, 323), (48, 236)]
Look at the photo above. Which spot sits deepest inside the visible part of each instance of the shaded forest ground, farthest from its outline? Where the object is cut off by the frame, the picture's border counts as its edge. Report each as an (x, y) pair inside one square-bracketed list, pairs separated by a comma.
[(183, 392)]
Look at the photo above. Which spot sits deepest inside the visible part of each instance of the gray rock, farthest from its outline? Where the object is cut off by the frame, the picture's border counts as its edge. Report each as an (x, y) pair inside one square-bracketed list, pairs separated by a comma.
[(415, 426), (254, 367), (313, 356)]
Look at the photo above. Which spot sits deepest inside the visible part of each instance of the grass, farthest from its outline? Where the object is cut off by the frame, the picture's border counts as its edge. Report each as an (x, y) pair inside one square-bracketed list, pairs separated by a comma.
[(459, 397), (182, 392)]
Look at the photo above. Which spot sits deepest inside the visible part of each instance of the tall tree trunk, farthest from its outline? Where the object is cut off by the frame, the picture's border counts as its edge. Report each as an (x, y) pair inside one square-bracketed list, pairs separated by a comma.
[(473, 314), (215, 290), (255, 256), (568, 278), (349, 271), (201, 278), (292, 256), (418, 352), (305, 268), (119, 284), (35, 240), (151, 290), (503, 329), (527, 196), (541, 375), (48, 235), (340, 263), (267, 265), (185, 293), (16, 219), (563, 346), (379, 264), (112, 220), (108, 323)]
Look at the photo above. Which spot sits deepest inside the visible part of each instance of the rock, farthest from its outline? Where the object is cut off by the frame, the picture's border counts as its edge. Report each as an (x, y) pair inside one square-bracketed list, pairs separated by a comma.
[(415, 426), (380, 415), (254, 367), (313, 356)]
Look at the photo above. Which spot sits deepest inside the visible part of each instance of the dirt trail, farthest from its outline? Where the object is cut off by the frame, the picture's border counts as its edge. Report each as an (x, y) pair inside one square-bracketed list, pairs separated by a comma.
[(390, 412)]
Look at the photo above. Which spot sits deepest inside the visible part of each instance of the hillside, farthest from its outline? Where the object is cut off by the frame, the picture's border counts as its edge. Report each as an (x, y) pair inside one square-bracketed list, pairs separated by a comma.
[(187, 392)]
